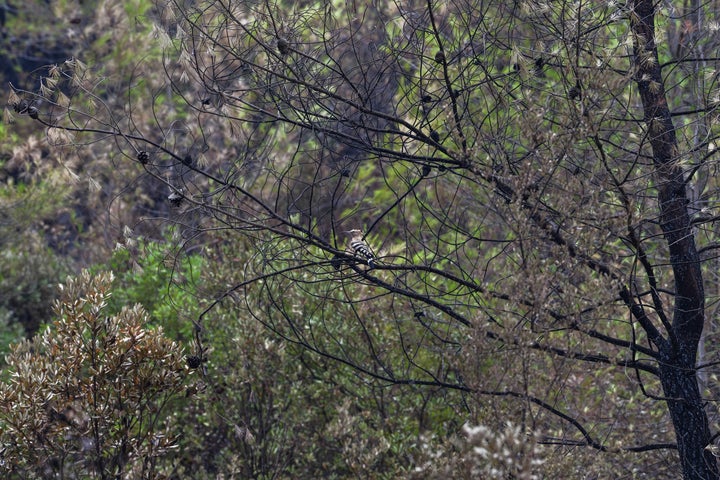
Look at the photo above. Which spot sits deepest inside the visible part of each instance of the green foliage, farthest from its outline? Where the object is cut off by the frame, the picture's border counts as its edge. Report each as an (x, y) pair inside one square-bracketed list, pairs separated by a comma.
[(275, 409), (496, 149), (271, 411), (29, 268), (10, 332), (152, 274), (85, 398), (29, 273)]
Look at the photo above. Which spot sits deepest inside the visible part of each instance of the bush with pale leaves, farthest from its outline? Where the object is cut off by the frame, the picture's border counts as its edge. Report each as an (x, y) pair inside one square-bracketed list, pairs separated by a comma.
[(85, 398)]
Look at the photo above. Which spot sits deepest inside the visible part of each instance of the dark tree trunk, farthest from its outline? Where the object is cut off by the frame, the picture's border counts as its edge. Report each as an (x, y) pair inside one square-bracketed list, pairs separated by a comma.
[(678, 351), (689, 419)]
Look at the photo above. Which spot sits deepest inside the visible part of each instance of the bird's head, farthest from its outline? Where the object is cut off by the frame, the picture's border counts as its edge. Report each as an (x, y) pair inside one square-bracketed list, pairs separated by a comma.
[(355, 233)]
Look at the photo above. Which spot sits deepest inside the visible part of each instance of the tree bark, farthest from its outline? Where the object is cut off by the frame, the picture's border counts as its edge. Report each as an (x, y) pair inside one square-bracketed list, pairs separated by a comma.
[(678, 352)]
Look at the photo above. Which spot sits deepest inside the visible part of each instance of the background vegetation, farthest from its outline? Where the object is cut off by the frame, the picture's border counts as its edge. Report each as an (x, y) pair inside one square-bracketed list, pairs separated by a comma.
[(536, 180)]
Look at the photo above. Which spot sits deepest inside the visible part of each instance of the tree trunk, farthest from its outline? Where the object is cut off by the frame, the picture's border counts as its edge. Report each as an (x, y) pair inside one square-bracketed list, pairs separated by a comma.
[(677, 352), (689, 419)]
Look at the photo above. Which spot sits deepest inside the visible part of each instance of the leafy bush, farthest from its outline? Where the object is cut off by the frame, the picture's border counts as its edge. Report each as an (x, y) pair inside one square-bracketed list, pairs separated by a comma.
[(28, 277), (483, 453), (165, 283), (86, 398), (31, 264), (274, 409)]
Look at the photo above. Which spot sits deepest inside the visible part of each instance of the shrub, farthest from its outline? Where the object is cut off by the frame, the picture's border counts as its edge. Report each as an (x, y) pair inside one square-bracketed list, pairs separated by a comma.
[(86, 398)]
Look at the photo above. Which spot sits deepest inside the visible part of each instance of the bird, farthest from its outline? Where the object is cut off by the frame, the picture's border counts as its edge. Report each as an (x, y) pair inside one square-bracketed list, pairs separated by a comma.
[(360, 247)]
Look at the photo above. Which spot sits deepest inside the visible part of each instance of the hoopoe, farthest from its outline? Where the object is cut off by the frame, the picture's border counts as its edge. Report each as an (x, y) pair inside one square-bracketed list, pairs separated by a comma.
[(360, 247)]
